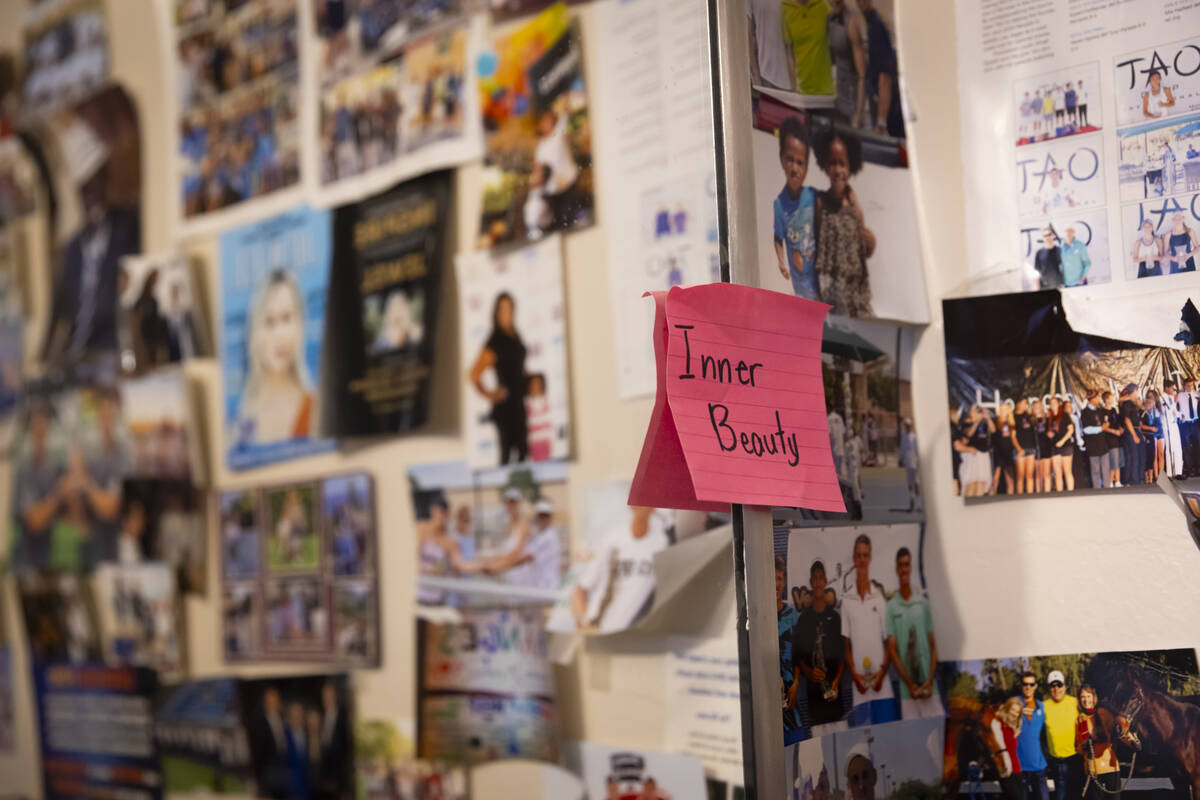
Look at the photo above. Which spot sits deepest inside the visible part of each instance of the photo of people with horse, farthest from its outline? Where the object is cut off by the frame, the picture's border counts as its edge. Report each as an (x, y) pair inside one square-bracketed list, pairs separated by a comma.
[(1093, 725)]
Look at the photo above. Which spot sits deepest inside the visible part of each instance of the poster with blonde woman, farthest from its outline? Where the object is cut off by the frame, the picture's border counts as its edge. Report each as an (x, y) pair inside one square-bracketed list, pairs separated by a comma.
[(383, 309), (274, 277), (513, 341)]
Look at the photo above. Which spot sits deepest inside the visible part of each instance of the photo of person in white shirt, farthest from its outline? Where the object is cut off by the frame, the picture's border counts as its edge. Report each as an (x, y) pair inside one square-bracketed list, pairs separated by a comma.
[(865, 634), (617, 586)]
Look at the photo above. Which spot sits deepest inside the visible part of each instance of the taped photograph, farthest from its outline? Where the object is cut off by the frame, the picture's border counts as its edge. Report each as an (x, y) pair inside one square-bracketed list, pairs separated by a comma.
[(856, 639)]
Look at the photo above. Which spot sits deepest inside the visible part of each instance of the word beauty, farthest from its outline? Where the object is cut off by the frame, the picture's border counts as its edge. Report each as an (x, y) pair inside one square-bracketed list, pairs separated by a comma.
[(718, 413), (740, 373)]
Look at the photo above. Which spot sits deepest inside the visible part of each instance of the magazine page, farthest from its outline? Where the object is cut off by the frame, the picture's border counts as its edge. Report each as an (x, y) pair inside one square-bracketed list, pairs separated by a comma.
[(1081, 145)]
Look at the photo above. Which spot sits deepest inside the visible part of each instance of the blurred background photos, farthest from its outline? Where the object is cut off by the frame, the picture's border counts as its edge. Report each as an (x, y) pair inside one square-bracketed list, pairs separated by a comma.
[(96, 730), (396, 93), (656, 162), (274, 279), (612, 580), (200, 737), (59, 612), (299, 572), (387, 767), (300, 731), (383, 309), (7, 709), (492, 537), (162, 318), (162, 427), (619, 772), (141, 618), (94, 155), (236, 103), (21, 193), (486, 688), (65, 54), (164, 520), (894, 761), (513, 342), (537, 132), (1135, 707), (70, 465)]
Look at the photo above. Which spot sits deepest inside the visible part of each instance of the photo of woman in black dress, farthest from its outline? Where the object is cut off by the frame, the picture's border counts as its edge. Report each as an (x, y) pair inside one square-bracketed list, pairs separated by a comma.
[(504, 353), (1026, 447)]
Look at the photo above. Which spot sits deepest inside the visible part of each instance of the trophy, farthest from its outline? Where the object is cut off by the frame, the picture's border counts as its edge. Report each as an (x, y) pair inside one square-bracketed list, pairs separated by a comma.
[(828, 691)]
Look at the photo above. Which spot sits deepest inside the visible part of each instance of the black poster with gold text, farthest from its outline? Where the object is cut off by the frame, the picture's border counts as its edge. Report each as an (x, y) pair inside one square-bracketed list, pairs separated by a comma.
[(382, 311)]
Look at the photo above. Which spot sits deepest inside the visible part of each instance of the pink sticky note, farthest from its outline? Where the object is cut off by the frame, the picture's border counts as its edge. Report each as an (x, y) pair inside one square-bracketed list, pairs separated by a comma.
[(743, 382), (662, 479)]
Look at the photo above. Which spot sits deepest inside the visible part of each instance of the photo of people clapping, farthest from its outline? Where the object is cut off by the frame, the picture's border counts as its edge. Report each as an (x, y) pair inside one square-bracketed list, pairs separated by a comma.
[(238, 98)]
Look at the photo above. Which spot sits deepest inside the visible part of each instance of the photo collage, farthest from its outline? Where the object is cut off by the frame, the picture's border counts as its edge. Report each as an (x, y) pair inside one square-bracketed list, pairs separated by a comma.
[(1060, 179), (1159, 167), (299, 572)]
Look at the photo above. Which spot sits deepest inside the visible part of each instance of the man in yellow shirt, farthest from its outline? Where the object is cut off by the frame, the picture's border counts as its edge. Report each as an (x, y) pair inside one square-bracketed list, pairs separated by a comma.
[(1065, 765), (804, 32)]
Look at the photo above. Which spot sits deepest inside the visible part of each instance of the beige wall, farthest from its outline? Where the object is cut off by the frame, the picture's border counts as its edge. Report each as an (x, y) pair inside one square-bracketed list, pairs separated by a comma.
[(1045, 575)]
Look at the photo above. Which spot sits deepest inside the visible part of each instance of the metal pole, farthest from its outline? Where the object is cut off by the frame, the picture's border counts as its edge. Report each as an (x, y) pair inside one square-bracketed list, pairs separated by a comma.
[(753, 541)]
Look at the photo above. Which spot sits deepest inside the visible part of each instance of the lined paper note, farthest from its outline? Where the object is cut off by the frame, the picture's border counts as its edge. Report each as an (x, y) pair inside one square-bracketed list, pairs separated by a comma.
[(662, 479), (743, 381)]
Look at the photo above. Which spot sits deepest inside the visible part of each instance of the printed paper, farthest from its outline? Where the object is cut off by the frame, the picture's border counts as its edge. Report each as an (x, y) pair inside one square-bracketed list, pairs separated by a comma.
[(655, 156), (704, 702), (1098, 112), (512, 336), (486, 689), (274, 280)]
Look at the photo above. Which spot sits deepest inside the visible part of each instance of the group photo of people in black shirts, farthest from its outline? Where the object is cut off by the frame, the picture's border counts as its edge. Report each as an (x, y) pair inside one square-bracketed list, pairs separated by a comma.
[(1094, 437)]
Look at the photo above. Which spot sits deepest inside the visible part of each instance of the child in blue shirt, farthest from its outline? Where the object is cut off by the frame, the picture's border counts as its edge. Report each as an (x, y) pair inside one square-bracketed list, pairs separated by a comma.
[(795, 207)]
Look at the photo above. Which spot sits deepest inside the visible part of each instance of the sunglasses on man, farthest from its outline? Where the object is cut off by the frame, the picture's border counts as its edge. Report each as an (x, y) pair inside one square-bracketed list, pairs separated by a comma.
[(1057, 685), (1030, 685)]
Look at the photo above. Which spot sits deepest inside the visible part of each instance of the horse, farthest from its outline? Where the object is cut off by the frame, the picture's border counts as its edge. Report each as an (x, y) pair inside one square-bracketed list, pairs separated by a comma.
[(968, 738), (1169, 726)]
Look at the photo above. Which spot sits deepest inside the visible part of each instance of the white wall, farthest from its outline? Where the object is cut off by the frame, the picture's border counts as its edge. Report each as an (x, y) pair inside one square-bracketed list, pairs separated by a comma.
[(1037, 576)]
